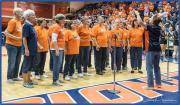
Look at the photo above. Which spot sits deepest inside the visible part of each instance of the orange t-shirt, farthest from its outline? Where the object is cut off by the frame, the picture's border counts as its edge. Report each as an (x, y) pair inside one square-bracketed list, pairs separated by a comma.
[(50, 30), (101, 35), (85, 36), (15, 28), (72, 42), (60, 38), (146, 42), (42, 38), (125, 36), (136, 37), (118, 33)]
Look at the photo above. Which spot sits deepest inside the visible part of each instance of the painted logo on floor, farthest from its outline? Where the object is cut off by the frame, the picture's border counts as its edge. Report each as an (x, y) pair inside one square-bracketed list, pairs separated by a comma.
[(131, 91)]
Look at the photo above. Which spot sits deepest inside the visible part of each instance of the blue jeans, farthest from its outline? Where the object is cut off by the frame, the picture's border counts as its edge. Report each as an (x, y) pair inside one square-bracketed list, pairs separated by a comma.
[(83, 59), (116, 57), (69, 64), (136, 57), (152, 62), (14, 59), (57, 64)]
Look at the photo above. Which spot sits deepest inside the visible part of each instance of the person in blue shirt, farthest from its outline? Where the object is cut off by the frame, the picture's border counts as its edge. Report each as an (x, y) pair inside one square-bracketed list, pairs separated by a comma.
[(153, 51), (29, 47)]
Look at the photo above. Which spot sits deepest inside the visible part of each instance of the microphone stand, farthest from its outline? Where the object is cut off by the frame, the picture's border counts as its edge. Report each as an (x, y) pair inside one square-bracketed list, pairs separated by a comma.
[(167, 76), (114, 91)]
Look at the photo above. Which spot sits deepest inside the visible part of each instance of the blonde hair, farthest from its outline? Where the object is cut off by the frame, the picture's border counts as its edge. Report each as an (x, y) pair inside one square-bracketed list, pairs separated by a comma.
[(17, 10)]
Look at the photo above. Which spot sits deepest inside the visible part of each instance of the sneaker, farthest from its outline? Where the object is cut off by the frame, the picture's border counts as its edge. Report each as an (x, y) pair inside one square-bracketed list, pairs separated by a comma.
[(10, 81), (99, 73), (45, 76), (67, 78), (41, 77), (120, 71), (124, 68), (149, 88), (74, 76), (87, 74), (61, 81), (57, 83), (37, 77), (28, 85), (140, 71), (80, 75), (33, 83), (17, 79)]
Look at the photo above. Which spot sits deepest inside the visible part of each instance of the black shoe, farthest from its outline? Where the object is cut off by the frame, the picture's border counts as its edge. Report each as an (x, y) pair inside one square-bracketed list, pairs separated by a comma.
[(132, 71), (99, 73), (139, 71)]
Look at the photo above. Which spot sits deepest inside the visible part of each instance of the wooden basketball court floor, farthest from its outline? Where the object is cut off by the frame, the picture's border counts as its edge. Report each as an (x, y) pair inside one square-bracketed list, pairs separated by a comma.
[(14, 91)]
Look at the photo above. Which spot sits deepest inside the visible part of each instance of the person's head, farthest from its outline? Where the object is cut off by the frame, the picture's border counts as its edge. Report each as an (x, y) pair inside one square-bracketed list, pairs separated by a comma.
[(120, 25), (60, 18), (100, 19), (72, 24), (18, 12), (30, 16), (41, 22), (156, 20), (135, 23), (171, 28), (85, 21)]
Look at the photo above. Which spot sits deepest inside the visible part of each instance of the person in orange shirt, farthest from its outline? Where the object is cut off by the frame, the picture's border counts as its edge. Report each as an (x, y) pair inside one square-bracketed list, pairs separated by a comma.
[(85, 33), (51, 25), (115, 41), (42, 38), (72, 44), (125, 36), (57, 46), (13, 35), (136, 42), (100, 34)]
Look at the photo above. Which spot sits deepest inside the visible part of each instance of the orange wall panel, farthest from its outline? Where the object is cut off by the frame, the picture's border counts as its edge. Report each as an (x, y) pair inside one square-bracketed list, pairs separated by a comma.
[(7, 8)]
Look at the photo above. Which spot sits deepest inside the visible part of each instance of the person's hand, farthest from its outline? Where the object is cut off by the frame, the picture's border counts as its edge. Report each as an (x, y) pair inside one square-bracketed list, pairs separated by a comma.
[(97, 47), (136, 12), (110, 49), (57, 52), (26, 52), (40, 47)]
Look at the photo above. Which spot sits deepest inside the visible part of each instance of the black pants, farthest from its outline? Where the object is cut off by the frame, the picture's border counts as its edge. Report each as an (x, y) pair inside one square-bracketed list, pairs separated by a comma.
[(89, 62), (69, 65), (51, 61), (116, 57), (124, 59), (100, 59), (83, 59), (40, 63)]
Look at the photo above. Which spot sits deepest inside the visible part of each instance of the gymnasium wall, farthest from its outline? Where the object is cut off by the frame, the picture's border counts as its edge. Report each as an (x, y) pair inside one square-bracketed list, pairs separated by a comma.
[(42, 9)]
